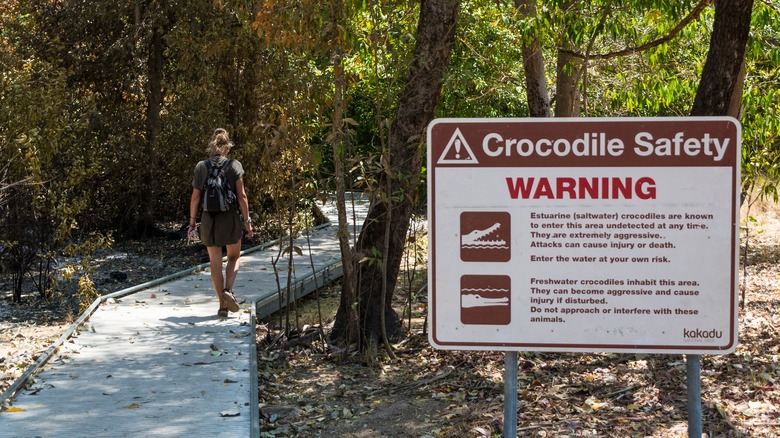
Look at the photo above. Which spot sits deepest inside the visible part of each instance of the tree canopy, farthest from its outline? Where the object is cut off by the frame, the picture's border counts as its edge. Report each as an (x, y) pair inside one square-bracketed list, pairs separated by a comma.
[(105, 108)]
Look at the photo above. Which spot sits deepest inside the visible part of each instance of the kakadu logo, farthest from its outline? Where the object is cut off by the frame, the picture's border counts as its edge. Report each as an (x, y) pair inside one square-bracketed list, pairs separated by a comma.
[(457, 151), (697, 333)]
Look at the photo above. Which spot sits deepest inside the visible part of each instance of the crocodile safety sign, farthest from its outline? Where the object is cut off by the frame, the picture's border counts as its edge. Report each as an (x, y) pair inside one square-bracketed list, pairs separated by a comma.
[(584, 235)]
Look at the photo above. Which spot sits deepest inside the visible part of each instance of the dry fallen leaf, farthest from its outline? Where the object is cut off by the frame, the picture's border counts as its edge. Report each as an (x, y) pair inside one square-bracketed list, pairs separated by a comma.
[(233, 412)]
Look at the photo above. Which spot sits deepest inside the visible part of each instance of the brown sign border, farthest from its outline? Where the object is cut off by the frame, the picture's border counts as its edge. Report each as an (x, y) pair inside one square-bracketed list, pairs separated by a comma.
[(440, 132)]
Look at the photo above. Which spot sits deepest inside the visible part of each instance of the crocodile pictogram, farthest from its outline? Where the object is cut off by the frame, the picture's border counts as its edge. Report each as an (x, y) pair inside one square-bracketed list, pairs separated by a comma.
[(476, 238), (477, 300)]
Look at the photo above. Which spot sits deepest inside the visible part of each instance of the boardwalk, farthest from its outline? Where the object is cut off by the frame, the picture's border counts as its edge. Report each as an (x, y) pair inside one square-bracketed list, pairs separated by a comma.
[(158, 362)]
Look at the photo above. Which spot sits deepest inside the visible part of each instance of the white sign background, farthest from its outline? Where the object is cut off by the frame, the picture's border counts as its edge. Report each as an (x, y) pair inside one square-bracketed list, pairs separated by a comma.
[(540, 318)]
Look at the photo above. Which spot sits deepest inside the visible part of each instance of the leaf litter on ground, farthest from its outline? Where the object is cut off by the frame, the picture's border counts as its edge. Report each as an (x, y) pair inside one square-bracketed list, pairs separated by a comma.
[(318, 391)]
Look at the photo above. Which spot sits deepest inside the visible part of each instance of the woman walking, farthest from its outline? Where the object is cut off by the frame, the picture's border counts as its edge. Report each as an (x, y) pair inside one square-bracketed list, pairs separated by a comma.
[(221, 227)]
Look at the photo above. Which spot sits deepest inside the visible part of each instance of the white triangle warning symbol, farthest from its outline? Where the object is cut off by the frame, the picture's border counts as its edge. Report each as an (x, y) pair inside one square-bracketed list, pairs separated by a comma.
[(457, 151)]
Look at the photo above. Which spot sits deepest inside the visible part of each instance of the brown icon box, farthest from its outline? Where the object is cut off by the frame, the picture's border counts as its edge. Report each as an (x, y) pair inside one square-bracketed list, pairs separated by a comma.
[(485, 236), (485, 299)]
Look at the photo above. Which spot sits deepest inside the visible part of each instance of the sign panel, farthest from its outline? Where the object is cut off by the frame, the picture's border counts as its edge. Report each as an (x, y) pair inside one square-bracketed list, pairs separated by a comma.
[(584, 234)]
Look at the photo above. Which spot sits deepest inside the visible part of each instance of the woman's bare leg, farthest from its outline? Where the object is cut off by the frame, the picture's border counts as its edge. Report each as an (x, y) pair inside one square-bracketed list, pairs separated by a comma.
[(233, 262), (215, 263)]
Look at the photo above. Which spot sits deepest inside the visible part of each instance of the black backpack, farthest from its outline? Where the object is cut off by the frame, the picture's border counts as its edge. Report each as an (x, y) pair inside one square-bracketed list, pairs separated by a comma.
[(216, 193)]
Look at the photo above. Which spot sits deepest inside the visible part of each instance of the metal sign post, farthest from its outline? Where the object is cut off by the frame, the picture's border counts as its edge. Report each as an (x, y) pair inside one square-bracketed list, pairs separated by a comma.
[(693, 370), (510, 394)]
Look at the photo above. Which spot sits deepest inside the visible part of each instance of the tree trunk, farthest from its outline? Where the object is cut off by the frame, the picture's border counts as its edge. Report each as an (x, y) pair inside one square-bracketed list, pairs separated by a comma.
[(720, 89), (723, 76), (154, 101), (568, 72), (533, 63), (417, 104), (567, 94), (347, 319)]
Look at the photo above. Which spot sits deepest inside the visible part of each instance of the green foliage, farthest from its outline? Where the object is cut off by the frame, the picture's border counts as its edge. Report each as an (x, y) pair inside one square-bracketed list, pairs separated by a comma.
[(761, 104), (90, 43), (486, 74), (75, 95), (87, 293), (382, 42), (42, 179), (214, 78), (660, 81)]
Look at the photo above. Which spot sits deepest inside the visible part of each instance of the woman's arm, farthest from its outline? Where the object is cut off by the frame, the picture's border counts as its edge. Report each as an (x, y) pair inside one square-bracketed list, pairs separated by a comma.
[(194, 201), (243, 204)]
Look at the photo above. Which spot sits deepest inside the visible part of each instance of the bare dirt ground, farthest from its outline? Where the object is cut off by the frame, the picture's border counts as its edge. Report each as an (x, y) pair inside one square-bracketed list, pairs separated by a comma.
[(310, 389)]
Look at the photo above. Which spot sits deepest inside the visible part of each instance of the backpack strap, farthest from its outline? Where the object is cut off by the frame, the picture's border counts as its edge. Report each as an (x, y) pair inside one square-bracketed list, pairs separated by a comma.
[(207, 162), (225, 166)]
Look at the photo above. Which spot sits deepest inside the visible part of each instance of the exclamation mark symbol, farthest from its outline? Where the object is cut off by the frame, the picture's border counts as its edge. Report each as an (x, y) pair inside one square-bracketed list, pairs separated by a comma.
[(457, 148)]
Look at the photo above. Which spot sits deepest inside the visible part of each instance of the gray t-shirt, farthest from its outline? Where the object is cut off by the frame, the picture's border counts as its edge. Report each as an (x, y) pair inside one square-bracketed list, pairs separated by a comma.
[(233, 171)]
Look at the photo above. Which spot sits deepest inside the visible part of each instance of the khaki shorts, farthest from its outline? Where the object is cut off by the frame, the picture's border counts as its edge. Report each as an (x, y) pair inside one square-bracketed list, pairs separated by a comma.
[(221, 228)]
